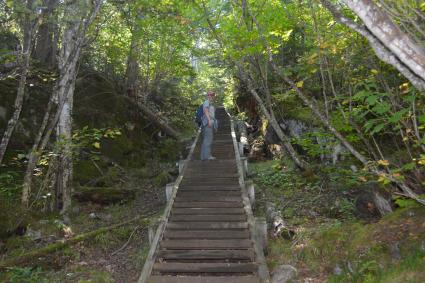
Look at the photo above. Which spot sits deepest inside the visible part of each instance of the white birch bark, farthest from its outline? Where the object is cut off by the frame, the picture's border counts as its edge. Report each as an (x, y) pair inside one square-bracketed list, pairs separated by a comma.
[(28, 29), (315, 110), (72, 42), (391, 36), (380, 49)]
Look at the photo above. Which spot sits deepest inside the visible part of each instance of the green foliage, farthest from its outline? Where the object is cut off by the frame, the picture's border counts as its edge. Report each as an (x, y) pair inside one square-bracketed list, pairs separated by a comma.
[(25, 275), (406, 203), (10, 187)]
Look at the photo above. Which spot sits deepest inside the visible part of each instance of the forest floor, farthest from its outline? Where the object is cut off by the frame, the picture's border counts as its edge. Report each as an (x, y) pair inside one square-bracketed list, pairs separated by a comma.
[(114, 256), (333, 242)]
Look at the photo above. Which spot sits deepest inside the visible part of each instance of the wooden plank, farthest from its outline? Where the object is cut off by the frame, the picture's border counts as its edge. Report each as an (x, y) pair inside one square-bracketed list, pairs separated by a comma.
[(207, 211), (206, 225), (206, 254), (228, 173), (209, 198), (206, 244), (215, 179), (203, 279), (228, 183), (194, 193), (209, 188), (210, 204), (202, 267), (209, 218), (207, 234), (217, 163)]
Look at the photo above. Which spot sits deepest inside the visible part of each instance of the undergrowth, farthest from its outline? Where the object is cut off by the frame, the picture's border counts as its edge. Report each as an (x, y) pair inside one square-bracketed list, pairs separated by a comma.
[(331, 243)]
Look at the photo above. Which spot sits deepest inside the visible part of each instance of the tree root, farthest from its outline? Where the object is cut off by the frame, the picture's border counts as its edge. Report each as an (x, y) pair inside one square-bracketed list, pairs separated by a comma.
[(21, 259)]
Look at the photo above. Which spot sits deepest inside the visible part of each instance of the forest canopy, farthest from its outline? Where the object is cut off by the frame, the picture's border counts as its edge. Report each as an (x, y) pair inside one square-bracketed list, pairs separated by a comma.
[(333, 90)]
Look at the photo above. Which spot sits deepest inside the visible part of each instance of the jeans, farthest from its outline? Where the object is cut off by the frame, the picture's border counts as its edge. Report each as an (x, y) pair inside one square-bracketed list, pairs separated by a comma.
[(207, 139)]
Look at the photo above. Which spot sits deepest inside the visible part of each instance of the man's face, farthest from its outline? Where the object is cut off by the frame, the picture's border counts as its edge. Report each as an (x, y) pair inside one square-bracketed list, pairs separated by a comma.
[(211, 96)]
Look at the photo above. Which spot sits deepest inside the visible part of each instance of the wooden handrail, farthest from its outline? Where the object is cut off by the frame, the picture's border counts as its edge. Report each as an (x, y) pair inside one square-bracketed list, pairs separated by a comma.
[(263, 271), (147, 268)]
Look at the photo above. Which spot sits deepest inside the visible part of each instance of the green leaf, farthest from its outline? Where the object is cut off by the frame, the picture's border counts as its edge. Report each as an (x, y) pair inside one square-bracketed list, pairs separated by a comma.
[(377, 128), (396, 117), (409, 166), (421, 119), (369, 124), (372, 100), (381, 108)]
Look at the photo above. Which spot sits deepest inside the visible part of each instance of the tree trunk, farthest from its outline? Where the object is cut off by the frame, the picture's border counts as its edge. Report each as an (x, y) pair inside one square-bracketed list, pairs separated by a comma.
[(276, 222), (285, 139), (72, 42), (45, 47), (273, 122), (28, 31), (312, 105), (390, 35), (132, 72), (157, 120), (384, 53), (34, 155)]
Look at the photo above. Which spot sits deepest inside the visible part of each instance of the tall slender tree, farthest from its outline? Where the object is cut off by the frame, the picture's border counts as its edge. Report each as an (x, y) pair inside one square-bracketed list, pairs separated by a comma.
[(29, 27)]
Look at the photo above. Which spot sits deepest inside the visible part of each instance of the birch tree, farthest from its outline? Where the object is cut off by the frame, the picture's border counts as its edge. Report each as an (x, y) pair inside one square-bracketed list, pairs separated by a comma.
[(389, 42), (77, 24), (29, 27), (45, 48), (78, 16), (325, 121)]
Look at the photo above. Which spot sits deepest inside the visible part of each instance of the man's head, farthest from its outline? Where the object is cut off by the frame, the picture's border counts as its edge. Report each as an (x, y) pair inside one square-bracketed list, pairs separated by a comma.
[(210, 94)]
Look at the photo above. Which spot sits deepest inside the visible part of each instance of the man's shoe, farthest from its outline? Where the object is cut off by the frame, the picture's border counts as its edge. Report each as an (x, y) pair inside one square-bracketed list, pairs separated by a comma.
[(211, 158)]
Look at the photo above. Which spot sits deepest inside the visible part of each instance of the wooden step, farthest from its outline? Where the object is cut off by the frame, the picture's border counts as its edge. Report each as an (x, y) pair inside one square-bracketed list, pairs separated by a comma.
[(209, 218), (203, 279), (178, 244), (207, 204), (208, 198), (207, 211), (216, 267), (247, 254), (206, 225), (189, 187), (207, 234), (208, 193)]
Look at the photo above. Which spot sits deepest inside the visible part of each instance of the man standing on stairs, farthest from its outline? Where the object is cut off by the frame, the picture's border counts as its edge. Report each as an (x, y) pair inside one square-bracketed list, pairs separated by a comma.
[(208, 125)]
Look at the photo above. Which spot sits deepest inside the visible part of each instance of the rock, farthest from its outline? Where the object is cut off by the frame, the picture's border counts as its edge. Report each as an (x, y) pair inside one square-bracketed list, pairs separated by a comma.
[(108, 217), (66, 220), (75, 210), (33, 234), (354, 168), (337, 270), (395, 252), (93, 215), (372, 202), (283, 273)]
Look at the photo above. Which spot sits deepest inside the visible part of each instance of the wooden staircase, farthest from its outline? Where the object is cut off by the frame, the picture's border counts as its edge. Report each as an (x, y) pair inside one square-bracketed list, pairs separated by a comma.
[(207, 231)]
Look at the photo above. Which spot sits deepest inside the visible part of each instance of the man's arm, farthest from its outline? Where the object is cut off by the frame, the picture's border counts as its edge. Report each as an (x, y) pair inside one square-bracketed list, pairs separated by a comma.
[(207, 114)]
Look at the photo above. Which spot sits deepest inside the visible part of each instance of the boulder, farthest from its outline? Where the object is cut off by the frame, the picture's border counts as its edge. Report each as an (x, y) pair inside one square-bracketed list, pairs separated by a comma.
[(283, 273)]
